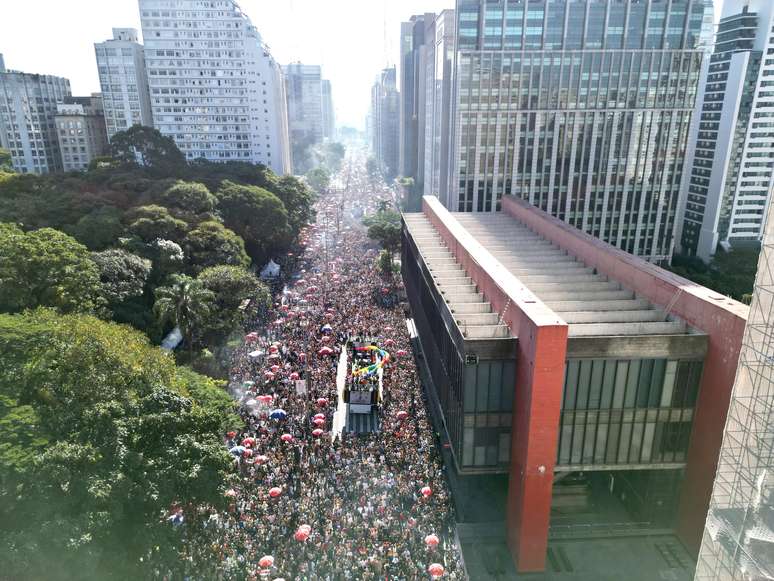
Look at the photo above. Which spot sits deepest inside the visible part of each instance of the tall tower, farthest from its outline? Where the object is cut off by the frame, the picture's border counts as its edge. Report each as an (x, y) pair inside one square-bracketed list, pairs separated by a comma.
[(729, 167), (214, 86), (582, 108)]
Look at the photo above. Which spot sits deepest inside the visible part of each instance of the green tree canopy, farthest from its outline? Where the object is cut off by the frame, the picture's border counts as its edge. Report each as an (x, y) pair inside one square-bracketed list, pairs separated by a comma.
[(150, 223), (298, 199), (729, 273), (6, 161), (46, 267), (257, 215), (385, 227), (146, 146), (123, 275), (99, 228), (232, 287), (319, 179), (191, 197), (211, 243), (101, 434), (185, 303)]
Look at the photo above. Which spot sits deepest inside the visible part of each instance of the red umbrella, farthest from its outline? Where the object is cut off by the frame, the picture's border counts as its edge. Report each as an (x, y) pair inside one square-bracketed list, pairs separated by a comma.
[(273, 349), (402, 415), (265, 399), (286, 438), (267, 561), (319, 416), (401, 353), (295, 376), (275, 368), (275, 492), (389, 342), (268, 375), (426, 491), (307, 528), (432, 541), (436, 570), (325, 339), (318, 422), (322, 402), (261, 459), (248, 442), (301, 535), (247, 453), (317, 432), (325, 351), (231, 434), (250, 337)]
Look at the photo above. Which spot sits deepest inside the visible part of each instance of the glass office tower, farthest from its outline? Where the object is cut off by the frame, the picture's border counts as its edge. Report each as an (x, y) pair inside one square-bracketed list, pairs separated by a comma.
[(581, 107)]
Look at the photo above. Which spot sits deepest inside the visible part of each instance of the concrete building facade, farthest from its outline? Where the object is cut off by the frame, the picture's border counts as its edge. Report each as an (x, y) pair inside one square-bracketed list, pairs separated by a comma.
[(580, 107), (329, 113), (730, 163), (214, 86), (738, 541), (28, 105), (559, 360), (385, 122), (123, 81), (81, 130), (303, 84)]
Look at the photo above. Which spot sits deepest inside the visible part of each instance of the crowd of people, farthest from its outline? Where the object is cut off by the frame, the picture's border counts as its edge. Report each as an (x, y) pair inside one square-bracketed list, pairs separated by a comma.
[(309, 502)]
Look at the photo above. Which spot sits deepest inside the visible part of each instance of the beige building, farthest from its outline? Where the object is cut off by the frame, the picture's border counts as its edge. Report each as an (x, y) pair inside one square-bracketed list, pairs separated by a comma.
[(80, 124)]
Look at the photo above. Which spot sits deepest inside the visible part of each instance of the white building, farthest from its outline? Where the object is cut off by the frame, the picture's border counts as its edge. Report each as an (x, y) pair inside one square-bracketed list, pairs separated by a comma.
[(303, 84), (81, 131), (329, 116), (122, 76), (214, 86), (27, 129), (730, 162)]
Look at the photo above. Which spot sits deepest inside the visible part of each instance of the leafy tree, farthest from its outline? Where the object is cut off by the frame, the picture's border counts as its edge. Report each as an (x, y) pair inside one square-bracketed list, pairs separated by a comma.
[(150, 223), (185, 303), (98, 229), (123, 275), (258, 216), (146, 146), (385, 227), (231, 287), (6, 161), (298, 199), (211, 243), (319, 179), (46, 267), (729, 273), (189, 196), (101, 434)]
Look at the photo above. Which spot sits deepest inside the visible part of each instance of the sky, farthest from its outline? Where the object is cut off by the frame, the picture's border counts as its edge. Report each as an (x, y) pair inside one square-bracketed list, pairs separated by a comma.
[(352, 39)]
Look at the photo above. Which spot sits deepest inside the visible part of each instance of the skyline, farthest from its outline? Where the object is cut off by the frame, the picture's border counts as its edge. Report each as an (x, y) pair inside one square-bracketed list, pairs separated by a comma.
[(297, 30)]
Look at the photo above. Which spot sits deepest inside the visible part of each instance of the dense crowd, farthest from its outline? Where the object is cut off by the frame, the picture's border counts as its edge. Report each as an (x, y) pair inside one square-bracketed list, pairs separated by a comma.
[(309, 503)]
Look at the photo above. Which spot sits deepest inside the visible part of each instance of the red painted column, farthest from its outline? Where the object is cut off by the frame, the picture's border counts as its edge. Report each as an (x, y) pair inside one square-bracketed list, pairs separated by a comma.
[(534, 439)]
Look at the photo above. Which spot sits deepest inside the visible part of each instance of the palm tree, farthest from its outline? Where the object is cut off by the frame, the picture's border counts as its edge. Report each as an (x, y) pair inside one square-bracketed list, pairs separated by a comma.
[(185, 303)]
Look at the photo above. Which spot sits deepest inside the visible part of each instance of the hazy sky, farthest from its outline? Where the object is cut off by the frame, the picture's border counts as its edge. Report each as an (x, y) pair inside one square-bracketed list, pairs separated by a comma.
[(351, 39)]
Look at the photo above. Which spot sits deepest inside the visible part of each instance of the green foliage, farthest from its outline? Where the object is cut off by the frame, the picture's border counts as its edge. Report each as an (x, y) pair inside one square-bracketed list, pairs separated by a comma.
[(729, 273), (150, 223), (123, 275), (257, 215), (385, 227), (98, 229), (385, 263), (330, 155), (185, 303), (319, 179), (298, 200), (46, 268), (191, 197), (148, 147), (211, 394), (6, 161), (211, 244), (231, 287), (101, 434)]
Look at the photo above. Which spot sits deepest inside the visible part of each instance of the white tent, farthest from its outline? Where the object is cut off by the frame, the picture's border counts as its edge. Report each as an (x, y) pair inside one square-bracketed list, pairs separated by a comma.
[(271, 270)]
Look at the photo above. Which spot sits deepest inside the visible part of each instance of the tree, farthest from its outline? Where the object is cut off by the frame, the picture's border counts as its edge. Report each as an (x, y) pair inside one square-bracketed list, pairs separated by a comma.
[(46, 267), (729, 273), (99, 228), (146, 146), (101, 434), (123, 275), (191, 197), (6, 161), (211, 243), (385, 228), (150, 223), (185, 303), (298, 200), (319, 179), (258, 216), (232, 287)]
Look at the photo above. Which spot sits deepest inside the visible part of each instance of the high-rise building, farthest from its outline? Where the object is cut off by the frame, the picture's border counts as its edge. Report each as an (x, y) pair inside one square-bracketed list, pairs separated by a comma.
[(385, 119), (738, 542), (582, 108), (214, 86), (329, 116), (438, 93), (124, 81), (730, 162), (80, 124), (27, 129), (303, 84), (413, 55)]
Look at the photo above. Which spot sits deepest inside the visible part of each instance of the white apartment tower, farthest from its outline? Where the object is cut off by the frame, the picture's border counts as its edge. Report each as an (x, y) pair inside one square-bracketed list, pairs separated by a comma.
[(124, 83), (730, 163), (27, 129), (303, 84), (214, 86)]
